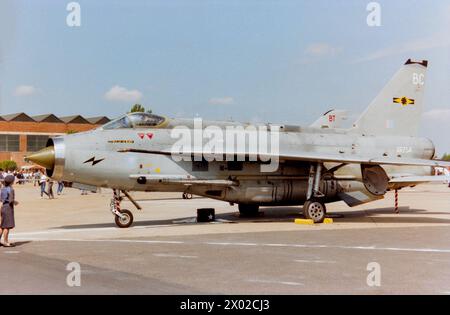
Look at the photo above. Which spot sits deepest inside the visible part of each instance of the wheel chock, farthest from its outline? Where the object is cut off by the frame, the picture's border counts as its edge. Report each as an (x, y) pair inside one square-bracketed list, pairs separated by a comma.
[(327, 220), (206, 215), (304, 221)]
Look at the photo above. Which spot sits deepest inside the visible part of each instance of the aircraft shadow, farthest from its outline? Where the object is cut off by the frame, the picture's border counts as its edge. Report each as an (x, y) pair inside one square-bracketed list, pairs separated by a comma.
[(288, 214), (166, 199)]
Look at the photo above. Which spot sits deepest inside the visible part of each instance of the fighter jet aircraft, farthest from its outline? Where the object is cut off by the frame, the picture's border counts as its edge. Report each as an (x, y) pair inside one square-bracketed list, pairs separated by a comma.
[(313, 165)]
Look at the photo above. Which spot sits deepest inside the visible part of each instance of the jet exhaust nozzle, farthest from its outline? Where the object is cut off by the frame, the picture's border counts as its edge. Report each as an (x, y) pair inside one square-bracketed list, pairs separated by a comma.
[(44, 157)]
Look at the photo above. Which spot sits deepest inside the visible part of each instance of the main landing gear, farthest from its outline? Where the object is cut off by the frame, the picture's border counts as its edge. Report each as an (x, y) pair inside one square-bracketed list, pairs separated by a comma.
[(314, 207), (123, 217), (187, 195), (314, 210)]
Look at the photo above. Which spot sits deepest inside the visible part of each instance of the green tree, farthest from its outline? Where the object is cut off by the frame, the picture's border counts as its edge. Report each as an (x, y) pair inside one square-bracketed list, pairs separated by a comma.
[(446, 157), (137, 108), (8, 165)]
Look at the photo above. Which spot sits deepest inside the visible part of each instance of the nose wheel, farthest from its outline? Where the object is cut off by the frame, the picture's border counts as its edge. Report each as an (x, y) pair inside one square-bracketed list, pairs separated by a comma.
[(123, 217), (125, 220)]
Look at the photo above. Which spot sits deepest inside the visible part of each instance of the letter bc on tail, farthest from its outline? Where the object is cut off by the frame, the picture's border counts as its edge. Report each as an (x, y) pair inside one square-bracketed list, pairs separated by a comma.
[(397, 109)]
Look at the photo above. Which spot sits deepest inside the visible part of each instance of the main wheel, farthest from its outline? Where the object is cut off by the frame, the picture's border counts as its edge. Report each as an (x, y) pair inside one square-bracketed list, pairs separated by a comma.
[(126, 221), (314, 210), (248, 210)]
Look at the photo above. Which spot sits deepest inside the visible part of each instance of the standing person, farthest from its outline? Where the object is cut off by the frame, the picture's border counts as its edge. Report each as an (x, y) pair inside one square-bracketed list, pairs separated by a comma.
[(50, 189), (37, 177), (7, 197), (60, 187), (42, 184), (20, 178)]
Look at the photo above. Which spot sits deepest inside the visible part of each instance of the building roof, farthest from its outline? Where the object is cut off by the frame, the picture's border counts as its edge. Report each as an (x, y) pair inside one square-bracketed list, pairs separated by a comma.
[(47, 118), (99, 120), (52, 118), (17, 117), (75, 119)]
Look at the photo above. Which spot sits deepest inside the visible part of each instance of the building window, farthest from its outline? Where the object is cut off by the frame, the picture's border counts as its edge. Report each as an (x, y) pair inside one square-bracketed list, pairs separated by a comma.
[(36, 143), (9, 143)]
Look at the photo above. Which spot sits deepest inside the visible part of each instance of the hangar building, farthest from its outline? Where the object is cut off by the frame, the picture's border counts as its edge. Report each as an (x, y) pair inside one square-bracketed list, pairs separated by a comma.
[(21, 134)]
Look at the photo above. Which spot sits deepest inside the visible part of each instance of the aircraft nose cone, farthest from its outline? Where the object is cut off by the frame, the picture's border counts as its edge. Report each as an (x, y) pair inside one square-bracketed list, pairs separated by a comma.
[(44, 157)]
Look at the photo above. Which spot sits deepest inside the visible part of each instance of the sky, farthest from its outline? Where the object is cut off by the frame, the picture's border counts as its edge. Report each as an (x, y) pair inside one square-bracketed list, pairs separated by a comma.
[(248, 60)]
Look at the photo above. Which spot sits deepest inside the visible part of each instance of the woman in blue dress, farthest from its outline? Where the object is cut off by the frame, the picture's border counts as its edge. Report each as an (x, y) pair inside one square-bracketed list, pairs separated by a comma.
[(7, 212)]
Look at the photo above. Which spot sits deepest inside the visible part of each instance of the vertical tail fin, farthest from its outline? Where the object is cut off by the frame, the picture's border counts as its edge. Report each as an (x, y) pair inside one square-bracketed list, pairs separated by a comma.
[(397, 109)]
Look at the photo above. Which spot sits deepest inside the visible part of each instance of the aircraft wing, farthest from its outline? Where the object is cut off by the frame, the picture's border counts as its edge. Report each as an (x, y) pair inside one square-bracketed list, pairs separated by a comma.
[(311, 157)]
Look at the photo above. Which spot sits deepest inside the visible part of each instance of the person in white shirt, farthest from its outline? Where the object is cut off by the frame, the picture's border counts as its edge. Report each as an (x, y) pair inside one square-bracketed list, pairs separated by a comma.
[(42, 184)]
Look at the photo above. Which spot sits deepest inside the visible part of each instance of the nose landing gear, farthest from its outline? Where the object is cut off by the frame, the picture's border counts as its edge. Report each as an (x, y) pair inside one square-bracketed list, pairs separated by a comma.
[(122, 217)]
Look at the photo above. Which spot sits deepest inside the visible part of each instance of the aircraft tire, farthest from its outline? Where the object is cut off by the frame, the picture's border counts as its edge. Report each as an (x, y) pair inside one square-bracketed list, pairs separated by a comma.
[(248, 210), (126, 222), (314, 210)]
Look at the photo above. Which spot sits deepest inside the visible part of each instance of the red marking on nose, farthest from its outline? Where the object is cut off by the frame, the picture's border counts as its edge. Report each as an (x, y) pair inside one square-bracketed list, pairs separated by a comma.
[(150, 135), (141, 135)]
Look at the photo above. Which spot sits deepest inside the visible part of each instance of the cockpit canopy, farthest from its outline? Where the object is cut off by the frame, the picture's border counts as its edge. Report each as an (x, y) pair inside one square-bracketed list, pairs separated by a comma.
[(136, 120)]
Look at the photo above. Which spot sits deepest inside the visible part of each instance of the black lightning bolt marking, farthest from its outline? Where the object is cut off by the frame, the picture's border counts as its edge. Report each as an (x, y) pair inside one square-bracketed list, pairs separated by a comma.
[(93, 161)]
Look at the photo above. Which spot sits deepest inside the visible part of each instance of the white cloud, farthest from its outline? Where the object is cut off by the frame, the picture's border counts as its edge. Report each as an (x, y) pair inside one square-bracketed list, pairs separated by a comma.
[(25, 90), (227, 100), (321, 50), (120, 94), (440, 114), (416, 45)]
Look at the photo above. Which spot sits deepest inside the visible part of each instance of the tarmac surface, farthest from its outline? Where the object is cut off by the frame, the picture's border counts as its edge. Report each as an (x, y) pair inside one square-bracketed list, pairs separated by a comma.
[(167, 252)]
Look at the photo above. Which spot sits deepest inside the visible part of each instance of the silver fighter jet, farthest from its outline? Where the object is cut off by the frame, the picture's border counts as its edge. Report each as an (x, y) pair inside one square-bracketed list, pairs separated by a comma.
[(314, 165)]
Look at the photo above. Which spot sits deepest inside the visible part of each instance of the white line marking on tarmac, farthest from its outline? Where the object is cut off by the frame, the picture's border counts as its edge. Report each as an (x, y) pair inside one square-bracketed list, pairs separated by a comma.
[(12, 252), (232, 244), (56, 231), (395, 249), (315, 261), (276, 282), (174, 256), (99, 240)]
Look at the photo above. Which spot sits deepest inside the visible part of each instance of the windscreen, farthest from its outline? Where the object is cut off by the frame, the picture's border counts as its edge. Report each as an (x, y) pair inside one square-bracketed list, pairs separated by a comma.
[(135, 120)]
